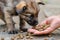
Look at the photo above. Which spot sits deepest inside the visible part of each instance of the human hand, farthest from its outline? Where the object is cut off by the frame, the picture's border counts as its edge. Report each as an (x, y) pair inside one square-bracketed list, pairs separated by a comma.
[(53, 21)]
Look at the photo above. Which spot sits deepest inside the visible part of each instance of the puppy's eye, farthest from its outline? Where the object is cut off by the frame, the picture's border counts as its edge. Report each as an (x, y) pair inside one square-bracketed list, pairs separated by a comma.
[(32, 16), (24, 8)]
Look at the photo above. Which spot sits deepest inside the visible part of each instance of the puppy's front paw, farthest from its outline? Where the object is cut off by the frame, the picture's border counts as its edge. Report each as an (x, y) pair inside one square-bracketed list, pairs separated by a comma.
[(13, 32), (24, 29)]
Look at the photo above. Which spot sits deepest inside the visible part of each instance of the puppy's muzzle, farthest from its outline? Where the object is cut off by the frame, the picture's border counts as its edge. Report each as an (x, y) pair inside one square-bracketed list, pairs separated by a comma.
[(32, 22)]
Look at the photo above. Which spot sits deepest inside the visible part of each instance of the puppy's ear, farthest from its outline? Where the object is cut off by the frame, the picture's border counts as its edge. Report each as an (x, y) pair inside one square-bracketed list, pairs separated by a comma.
[(41, 3)]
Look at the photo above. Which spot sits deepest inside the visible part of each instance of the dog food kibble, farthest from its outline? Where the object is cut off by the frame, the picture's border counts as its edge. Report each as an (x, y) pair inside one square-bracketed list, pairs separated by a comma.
[(27, 37), (21, 36), (2, 38), (36, 28), (18, 37), (46, 26), (31, 37), (43, 27)]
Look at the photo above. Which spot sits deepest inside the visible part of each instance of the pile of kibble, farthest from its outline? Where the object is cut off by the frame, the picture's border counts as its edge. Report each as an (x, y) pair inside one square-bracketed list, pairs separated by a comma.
[(42, 27), (29, 35), (22, 36)]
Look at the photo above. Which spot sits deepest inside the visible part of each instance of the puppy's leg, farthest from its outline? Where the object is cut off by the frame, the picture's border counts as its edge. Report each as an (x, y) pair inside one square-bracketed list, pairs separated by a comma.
[(9, 22), (22, 24)]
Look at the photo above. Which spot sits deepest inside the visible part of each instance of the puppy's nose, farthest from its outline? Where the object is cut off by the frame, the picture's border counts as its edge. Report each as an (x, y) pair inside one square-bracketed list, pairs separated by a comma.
[(24, 8), (35, 23)]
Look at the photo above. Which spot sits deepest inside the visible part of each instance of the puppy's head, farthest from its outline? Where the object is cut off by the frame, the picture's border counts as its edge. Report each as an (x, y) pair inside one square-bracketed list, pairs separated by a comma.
[(29, 10), (32, 20)]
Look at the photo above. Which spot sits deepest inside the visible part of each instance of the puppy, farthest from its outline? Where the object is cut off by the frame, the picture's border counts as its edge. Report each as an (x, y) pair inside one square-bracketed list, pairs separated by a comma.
[(27, 10)]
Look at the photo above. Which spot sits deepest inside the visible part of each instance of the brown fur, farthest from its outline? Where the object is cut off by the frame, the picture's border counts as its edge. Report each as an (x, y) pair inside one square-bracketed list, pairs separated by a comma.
[(32, 9)]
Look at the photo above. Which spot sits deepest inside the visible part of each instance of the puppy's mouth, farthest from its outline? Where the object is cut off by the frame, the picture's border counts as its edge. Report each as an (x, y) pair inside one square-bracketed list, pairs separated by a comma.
[(30, 20)]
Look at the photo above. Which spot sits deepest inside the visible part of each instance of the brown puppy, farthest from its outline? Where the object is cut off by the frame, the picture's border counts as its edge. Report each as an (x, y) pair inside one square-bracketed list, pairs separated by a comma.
[(26, 9), (29, 14)]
